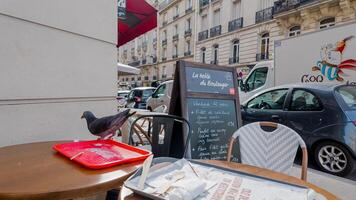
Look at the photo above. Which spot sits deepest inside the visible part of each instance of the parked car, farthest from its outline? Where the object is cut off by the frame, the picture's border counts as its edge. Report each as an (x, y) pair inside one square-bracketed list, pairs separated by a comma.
[(138, 96), (121, 97), (161, 96), (324, 116)]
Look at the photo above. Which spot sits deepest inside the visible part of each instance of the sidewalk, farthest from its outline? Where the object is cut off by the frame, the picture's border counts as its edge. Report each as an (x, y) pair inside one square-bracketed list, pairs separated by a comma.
[(343, 188)]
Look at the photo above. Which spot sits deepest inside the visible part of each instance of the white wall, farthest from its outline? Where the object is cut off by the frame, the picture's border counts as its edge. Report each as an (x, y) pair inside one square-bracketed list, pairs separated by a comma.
[(52, 54)]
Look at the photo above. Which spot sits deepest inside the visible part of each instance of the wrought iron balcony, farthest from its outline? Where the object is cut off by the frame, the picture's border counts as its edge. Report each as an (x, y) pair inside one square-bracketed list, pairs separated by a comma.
[(175, 56), (134, 63), (188, 10), (262, 56), (144, 61), (164, 23), (164, 58), (188, 32), (285, 5), (164, 42), (264, 15), (215, 31), (233, 60), (203, 35), (203, 3), (175, 37), (187, 53), (235, 24), (175, 16)]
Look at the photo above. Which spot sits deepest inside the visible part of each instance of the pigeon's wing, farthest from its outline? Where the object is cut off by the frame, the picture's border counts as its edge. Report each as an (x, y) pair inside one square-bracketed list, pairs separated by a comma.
[(100, 125)]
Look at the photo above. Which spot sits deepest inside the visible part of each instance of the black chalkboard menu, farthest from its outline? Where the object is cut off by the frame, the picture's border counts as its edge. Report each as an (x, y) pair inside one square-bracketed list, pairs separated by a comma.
[(207, 96)]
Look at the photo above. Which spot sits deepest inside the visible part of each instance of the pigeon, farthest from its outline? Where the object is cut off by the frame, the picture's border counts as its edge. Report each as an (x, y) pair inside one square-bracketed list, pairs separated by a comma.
[(106, 127)]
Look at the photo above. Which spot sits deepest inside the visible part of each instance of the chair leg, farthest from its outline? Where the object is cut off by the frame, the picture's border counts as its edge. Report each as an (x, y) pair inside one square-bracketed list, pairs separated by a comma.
[(304, 164)]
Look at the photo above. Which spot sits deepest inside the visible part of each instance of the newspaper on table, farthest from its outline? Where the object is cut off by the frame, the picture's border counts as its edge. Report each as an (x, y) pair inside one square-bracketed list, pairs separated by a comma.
[(185, 180)]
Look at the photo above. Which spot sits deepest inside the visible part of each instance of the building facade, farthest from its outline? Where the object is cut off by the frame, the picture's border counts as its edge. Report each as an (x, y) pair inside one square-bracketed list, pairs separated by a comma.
[(176, 32), (240, 33)]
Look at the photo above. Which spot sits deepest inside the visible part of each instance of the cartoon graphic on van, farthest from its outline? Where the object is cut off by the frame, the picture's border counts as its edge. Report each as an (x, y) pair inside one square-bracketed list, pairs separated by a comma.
[(332, 64)]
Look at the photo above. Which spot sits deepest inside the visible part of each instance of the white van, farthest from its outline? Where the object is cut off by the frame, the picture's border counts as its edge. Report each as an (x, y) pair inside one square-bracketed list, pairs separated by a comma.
[(161, 97), (324, 56)]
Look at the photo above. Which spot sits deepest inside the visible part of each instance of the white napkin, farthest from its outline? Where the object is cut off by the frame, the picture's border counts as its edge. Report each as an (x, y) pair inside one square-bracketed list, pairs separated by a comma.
[(187, 189)]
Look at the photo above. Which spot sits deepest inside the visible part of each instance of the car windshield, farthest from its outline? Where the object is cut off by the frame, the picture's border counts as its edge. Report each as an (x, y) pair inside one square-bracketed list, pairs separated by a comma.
[(147, 93), (122, 94), (348, 95)]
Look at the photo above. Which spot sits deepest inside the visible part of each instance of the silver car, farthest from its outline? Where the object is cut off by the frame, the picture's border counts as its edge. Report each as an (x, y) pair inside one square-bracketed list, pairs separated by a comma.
[(161, 97)]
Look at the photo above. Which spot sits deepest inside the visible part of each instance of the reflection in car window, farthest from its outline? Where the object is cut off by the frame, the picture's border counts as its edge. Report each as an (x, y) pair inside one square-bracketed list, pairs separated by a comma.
[(257, 79), (348, 95), (305, 101), (270, 100)]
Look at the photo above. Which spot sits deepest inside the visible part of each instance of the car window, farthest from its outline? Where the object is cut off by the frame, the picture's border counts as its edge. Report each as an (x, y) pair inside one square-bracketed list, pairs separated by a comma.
[(122, 95), (147, 93), (348, 95), (305, 101), (269, 100), (131, 95), (160, 91), (137, 93), (256, 79)]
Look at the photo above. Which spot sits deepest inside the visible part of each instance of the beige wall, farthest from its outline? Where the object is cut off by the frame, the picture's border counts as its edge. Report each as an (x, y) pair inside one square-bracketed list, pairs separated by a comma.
[(54, 54)]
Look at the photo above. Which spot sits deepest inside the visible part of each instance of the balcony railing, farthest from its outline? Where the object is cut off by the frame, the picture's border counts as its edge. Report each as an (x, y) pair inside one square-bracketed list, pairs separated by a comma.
[(262, 56), (164, 42), (233, 60), (164, 23), (264, 15), (203, 3), (285, 5), (164, 58), (134, 63), (203, 35), (174, 56), (215, 31), (214, 62), (235, 24), (187, 53), (188, 10), (175, 37), (188, 33), (175, 16)]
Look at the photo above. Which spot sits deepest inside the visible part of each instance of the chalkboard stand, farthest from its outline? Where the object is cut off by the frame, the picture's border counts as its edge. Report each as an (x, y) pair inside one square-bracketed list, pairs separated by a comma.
[(180, 96)]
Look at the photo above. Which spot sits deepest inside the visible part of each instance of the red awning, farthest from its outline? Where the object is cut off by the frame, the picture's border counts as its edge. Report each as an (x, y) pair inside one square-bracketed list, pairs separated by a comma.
[(140, 18)]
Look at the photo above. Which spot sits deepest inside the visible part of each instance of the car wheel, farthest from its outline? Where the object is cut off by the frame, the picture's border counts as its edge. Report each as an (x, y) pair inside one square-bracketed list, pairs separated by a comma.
[(333, 158)]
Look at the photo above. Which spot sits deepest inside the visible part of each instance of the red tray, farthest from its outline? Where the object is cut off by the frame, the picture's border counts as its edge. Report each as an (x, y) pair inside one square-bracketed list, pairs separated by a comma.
[(98, 154)]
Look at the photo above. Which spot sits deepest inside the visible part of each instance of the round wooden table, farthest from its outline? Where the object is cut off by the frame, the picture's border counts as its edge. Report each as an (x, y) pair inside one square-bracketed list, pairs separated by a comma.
[(35, 171), (126, 194)]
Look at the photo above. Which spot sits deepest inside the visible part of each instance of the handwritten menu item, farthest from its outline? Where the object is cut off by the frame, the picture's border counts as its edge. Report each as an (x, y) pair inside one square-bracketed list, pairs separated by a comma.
[(207, 96), (212, 123), (209, 81)]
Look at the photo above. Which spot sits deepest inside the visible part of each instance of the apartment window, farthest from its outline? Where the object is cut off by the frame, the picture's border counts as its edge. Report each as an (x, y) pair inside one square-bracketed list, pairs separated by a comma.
[(216, 53), (326, 23), (266, 4), (235, 50), (188, 24), (216, 17), (187, 48), (176, 29), (164, 71), (203, 54), (236, 10), (204, 22), (175, 50), (294, 31), (177, 10), (264, 46), (164, 53), (164, 34), (188, 4)]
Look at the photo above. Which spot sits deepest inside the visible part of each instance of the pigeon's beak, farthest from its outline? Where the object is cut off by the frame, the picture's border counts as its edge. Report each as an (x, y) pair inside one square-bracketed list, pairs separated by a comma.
[(82, 117)]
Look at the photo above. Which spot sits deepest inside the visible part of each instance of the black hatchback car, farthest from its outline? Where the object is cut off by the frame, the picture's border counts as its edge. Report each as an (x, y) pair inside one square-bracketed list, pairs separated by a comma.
[(324, 116)]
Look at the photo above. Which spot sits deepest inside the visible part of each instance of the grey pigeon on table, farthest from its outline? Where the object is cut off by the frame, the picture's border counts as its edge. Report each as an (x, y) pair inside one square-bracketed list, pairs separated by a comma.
[(106, 127)]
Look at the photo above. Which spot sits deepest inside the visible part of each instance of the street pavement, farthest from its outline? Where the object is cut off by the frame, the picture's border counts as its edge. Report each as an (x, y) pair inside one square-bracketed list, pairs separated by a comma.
[(341, 187)]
